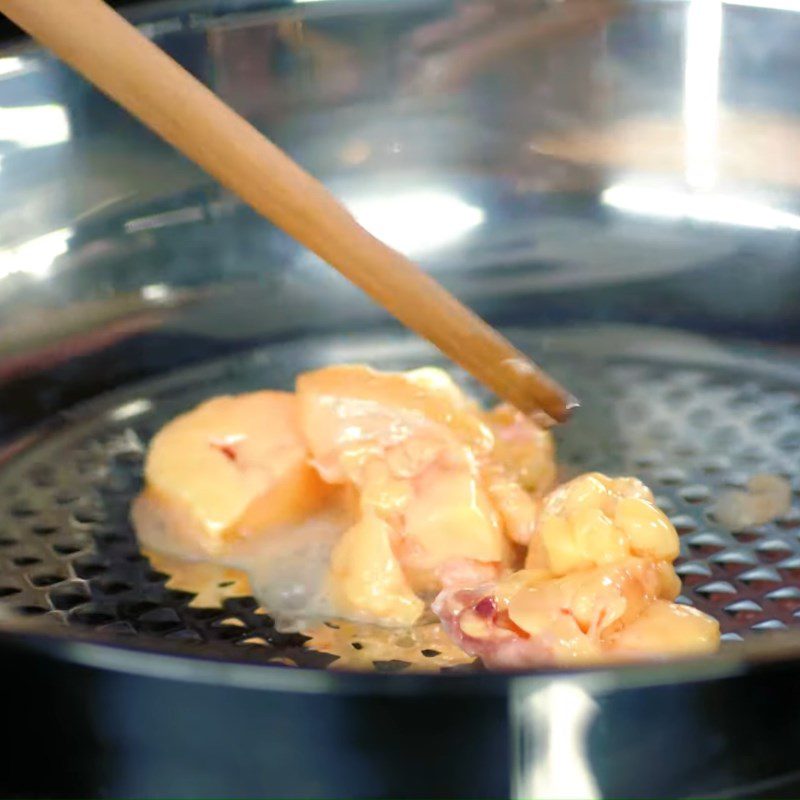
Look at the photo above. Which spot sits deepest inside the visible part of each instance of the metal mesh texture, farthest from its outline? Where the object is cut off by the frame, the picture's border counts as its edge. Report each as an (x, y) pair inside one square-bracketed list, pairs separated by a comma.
[(689, 430)]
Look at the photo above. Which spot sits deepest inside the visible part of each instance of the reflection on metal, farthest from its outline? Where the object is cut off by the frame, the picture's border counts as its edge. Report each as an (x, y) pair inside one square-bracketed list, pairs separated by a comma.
[(776, 5), (12, 65), (701, 91), (178, 216), (157, 293), (670, 203), (34, 126), (416, 221), (131, 409), (36, 256), (551, 723), (153, 30)]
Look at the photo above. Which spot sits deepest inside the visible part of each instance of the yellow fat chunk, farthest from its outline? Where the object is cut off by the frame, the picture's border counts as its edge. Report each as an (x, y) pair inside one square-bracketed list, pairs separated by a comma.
[(410, 444), (669, 584), (518, 510), (595, 520), (234, 465), (648, 530), (451, 517), (525, 450), (667, 629), (600, 599), (366, 579), (356, 409)]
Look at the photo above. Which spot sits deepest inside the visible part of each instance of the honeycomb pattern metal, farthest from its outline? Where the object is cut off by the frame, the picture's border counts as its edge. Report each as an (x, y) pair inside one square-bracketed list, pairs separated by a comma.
[(67, 549)]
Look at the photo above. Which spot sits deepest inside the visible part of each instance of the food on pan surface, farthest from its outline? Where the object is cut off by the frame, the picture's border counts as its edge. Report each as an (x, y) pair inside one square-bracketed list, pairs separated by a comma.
[(387, 498)]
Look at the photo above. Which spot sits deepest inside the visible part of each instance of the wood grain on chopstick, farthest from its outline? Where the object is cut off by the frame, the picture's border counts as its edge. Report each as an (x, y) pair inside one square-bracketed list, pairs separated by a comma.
[(112, 54)]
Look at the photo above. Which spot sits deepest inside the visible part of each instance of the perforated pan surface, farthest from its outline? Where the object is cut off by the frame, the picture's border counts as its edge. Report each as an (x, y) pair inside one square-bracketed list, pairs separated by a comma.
[(689, 418)]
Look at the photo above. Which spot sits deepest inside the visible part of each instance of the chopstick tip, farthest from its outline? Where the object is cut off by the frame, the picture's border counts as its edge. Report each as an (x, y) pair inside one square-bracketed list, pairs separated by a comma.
[(564, 413)]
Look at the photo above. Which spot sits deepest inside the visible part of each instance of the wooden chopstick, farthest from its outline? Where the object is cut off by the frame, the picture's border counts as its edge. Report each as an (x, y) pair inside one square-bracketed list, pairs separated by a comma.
[(108, 51)]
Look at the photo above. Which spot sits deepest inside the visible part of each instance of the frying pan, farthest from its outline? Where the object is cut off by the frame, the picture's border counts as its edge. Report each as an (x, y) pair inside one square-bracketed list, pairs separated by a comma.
[(664, 294)]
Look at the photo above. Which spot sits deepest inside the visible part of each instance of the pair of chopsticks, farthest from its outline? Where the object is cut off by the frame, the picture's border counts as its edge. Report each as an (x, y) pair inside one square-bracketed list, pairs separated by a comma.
[(124, 64)]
